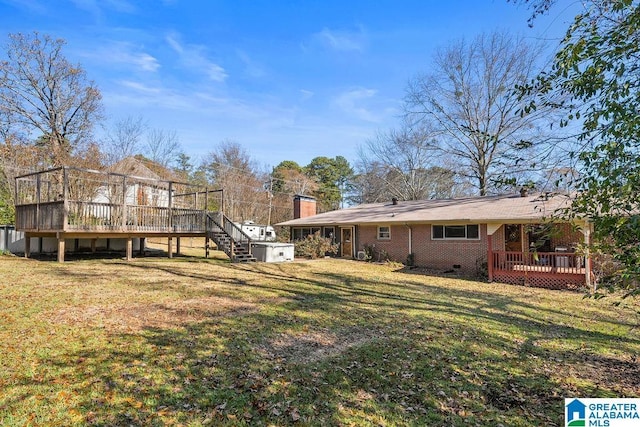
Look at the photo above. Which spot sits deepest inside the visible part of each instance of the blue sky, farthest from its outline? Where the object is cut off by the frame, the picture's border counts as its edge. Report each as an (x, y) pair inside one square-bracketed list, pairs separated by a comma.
[(288, 80)]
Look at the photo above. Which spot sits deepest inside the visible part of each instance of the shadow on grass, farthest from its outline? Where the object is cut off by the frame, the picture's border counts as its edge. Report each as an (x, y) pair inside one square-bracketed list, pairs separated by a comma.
[(431, 355)]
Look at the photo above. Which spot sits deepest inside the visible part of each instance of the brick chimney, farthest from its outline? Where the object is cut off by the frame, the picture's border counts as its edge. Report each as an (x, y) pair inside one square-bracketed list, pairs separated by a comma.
[(303, 206)]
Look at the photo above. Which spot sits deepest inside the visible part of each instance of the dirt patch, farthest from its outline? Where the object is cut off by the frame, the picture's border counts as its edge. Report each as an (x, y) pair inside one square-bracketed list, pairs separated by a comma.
[(313, 346), (135, 317), (622, 375)]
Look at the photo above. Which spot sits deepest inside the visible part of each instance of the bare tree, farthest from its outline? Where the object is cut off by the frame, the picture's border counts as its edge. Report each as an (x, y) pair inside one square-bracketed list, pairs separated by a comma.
[(124, 138), (41, 91), (470, 100), (402, 163), (163, 147), (230, 168)]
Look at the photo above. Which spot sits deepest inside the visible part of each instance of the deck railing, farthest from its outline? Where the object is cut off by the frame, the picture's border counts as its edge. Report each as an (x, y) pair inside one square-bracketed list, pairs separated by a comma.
[(556, 262), (41, 216), (95, 216), (73, 199), (188, 220)]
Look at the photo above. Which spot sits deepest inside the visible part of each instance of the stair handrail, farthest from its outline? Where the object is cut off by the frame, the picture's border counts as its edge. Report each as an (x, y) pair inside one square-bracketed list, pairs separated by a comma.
[(231, 229)]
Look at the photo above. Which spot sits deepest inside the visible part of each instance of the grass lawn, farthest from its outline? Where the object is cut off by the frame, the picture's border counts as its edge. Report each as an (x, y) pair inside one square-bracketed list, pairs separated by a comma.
[(193, 342)]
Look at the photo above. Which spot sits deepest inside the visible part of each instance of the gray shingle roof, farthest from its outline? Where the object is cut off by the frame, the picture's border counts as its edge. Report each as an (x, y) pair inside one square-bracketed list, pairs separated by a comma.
[(488, 209)]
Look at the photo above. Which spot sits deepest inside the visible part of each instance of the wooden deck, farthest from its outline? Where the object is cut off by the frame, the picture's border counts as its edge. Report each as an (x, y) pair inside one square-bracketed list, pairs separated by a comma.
[(557, 270), (76, 217), (73, 203)]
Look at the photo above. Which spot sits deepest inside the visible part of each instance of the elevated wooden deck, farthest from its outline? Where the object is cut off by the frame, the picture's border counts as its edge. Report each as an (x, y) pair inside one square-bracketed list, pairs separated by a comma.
[(73, 203)]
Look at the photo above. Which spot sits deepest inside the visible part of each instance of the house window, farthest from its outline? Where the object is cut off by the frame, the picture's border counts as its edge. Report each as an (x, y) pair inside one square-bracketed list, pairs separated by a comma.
[(301, 233), (468, 232), (384, 233), (329, 233)]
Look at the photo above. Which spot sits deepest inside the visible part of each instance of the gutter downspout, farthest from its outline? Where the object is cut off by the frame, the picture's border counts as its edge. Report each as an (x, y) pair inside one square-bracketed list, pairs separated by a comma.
[(410, 238)]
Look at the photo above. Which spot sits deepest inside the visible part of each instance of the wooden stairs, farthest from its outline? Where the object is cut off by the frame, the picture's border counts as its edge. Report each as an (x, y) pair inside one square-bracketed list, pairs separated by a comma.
[(229, 238)]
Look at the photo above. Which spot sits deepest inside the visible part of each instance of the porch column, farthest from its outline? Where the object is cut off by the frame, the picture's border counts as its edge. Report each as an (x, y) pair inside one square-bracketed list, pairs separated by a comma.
[(490, 256), (491, 229), (170, 247), (177, 245), (93, 245)]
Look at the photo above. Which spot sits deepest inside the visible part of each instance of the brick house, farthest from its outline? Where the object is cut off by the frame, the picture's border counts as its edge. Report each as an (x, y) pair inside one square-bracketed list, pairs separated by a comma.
[(509, 238)]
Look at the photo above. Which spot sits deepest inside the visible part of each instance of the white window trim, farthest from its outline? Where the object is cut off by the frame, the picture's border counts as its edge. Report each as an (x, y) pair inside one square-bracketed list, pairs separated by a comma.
[(455, 238), (378, 232)]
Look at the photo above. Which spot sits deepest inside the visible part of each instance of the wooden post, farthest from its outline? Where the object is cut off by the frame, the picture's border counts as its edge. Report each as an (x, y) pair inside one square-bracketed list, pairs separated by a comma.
[(142, 244), (27, 245), (129, 248), (60, 247), (38, 202), (206, 222), (170, 221), (170, 206), (177, 245), (124, 203), (93, 245), (65, 195)]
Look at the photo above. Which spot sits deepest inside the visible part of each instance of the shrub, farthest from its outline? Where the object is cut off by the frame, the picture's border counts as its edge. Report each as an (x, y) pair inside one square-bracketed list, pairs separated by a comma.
[(374, 254), (411, 260), (315, 246)]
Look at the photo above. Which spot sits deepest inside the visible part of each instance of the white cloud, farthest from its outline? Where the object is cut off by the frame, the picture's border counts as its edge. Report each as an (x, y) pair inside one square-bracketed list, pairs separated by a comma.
[(139, 87), (173, 42), (124, 53), (351, 102), (251, 67), (194, 58), (306, 94), (216, 72), (146, 62), (345, 41)]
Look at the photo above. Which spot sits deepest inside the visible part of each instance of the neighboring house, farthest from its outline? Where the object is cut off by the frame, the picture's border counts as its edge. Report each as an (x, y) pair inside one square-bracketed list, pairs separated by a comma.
[(504, 237), (151, 189)]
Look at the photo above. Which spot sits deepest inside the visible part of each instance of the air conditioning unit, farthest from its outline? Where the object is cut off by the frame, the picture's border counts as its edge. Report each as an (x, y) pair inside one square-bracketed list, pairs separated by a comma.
[(362, 255)]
